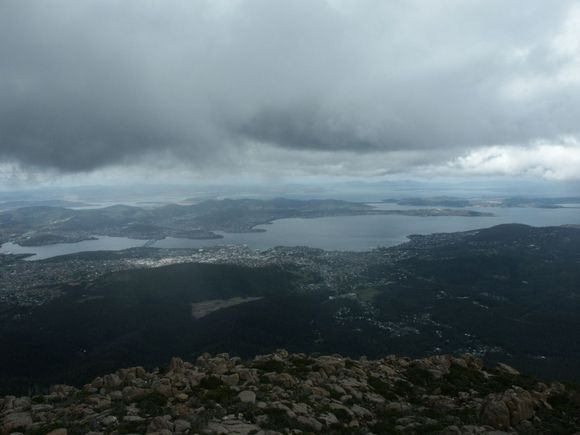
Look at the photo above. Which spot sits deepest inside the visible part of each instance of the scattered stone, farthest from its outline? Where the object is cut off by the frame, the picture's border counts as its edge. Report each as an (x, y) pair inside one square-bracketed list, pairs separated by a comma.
[(181, 397), (231, 380), (310, 422), (231, 427), (133, 419), (510, 408), (158, 424), (508, 370), (112, 381), (181, 425), (110, 420), (292, 394), (247, 396), (17, 420)]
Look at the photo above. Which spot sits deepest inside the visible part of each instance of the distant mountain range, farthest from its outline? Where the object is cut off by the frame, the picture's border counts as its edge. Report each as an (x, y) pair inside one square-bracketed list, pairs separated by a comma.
[(450, 201), (10, 205)]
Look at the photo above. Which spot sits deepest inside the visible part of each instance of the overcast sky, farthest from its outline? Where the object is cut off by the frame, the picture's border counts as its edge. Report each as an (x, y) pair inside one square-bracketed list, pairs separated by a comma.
[(291, 88)]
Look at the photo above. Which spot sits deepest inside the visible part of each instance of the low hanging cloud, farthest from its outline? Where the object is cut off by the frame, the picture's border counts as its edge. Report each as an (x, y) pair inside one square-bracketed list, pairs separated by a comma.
[(550, 161), (301, 83)]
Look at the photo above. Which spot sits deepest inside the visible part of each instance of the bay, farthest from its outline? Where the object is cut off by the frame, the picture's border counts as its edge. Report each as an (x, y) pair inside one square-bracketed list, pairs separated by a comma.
[(353, 233)]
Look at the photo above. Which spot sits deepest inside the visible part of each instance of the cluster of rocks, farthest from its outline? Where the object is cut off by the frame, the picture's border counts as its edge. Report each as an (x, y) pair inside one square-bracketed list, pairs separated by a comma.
[(286, 393)]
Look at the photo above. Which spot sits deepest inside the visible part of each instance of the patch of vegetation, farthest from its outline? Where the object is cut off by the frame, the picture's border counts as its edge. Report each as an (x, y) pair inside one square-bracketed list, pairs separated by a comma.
[(301, 367), (564, 417), (38, 400), (342, 415), (403, 388), (507, 381), (221, 395), (386, 425), (382, 388), (146, 310), (81, 395), (429, 428), (270, 365), (302, 362), (211, 383), (462, 379), (118, 409), (152, 404), (131, 427), (277, 418), (465, 379), (419, 376), (45, 428), (466, 415), (349, 364)]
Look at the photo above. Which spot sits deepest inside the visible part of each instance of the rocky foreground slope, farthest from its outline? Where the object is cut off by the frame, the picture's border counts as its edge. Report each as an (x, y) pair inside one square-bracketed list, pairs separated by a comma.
[(294, 393)]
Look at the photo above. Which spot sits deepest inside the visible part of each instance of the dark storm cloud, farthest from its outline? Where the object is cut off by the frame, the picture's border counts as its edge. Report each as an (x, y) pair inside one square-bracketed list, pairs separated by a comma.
[(305, 127), (85, 84)]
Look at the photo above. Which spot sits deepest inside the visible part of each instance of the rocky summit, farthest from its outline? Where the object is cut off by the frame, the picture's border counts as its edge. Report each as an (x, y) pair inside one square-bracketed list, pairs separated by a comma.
[(284, 393)]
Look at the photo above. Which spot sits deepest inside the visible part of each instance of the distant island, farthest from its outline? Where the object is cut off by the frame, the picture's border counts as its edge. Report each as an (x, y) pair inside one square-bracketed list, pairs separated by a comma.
[(519, 201), (45, 225)]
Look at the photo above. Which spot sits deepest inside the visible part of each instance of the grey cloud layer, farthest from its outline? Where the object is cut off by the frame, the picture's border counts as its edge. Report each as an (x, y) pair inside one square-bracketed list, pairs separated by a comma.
[(85, 84)]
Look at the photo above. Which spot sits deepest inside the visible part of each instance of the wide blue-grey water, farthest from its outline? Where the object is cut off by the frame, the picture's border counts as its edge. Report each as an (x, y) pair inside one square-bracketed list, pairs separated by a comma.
[(356, 233)]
